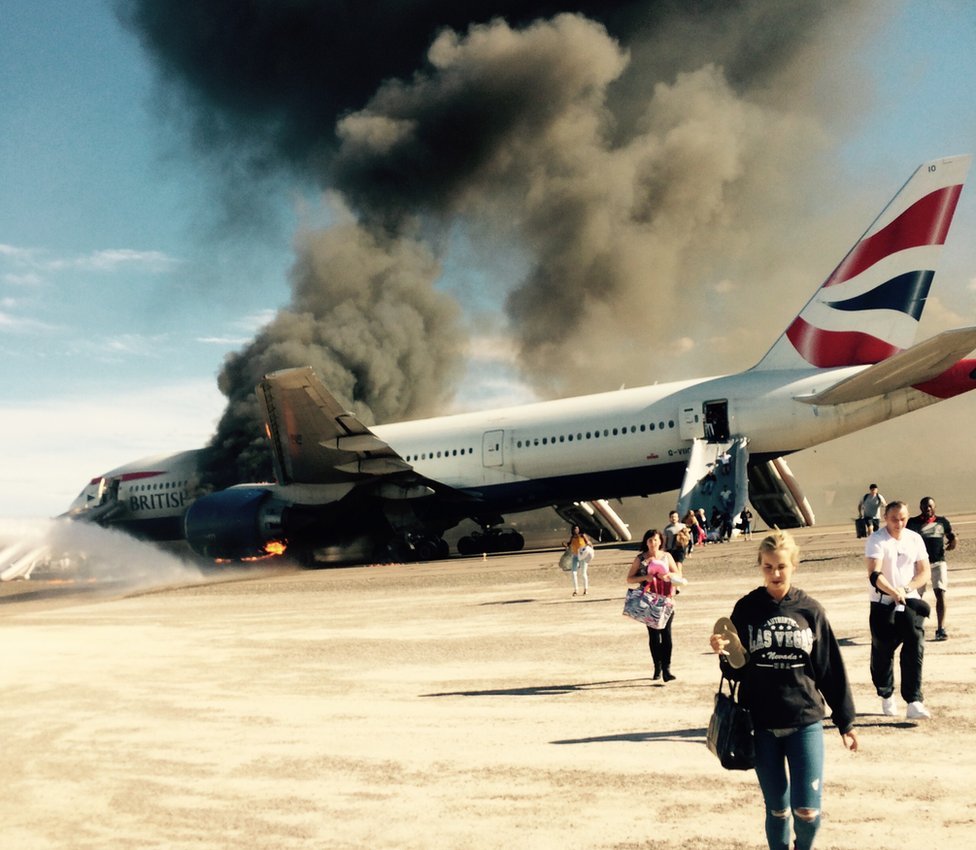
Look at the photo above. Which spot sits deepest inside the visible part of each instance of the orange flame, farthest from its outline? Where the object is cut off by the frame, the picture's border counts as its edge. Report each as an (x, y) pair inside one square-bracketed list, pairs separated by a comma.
[(275, 547)]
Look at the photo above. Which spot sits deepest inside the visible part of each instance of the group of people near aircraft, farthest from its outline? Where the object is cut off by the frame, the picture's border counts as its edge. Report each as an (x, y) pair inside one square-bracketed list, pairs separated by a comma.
[(779, 645)]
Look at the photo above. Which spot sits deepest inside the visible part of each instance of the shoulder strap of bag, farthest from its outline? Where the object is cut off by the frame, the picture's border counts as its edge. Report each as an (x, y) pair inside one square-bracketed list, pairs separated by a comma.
[(733, 687)]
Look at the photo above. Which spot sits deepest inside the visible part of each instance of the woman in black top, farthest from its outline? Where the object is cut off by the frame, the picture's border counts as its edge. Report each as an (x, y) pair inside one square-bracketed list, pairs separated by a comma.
[(793, 665)]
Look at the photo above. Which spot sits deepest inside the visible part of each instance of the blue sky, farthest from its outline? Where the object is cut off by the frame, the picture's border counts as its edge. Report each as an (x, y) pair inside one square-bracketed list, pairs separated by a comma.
[(115, 315), (113, 320)]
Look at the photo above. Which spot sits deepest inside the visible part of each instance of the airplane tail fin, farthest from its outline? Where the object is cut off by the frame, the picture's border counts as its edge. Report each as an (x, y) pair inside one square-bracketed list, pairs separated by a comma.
[(869, 307)]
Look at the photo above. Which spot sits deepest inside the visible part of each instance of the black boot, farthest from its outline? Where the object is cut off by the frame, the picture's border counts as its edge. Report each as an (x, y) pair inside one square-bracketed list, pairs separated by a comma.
[(668, 675), (657, 672)]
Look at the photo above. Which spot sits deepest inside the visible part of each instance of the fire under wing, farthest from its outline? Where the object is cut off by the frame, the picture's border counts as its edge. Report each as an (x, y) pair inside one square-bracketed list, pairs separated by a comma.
[(337, 483)]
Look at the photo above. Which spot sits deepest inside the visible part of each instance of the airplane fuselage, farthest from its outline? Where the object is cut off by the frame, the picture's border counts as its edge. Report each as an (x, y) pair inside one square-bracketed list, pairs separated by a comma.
[(847, 361), (631, 442)]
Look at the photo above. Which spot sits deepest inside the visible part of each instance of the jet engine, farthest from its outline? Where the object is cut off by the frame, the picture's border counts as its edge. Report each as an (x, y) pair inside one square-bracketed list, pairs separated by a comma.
[(236, 524)]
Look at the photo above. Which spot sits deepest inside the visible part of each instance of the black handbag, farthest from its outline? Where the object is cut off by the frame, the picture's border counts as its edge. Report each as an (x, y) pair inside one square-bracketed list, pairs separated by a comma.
[(919, 606), (730, 735)]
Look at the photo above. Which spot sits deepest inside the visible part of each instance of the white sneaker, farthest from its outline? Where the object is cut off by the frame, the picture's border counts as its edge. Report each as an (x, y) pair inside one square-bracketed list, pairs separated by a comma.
[(889, 706), (917, 711)]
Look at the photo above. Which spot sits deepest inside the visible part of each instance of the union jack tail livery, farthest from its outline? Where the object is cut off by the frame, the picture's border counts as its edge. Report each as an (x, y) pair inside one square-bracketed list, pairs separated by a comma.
[(868, 309)]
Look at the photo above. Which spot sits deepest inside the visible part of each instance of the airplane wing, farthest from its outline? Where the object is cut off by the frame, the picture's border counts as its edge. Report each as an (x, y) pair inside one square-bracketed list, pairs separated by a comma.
[(314, 439), (912, 366)]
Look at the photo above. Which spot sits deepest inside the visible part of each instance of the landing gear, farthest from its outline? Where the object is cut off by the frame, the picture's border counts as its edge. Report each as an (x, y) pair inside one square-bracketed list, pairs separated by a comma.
[(431, 549), (491, 540), (416, 547)]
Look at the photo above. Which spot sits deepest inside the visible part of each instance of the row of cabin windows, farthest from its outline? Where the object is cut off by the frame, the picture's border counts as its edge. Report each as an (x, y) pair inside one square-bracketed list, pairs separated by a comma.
[(594, 435), (544, 441), (432, 455), (166, 485)]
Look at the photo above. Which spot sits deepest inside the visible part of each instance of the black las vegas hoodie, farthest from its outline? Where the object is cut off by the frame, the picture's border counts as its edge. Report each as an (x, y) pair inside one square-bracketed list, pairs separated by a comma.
[(794, 662)]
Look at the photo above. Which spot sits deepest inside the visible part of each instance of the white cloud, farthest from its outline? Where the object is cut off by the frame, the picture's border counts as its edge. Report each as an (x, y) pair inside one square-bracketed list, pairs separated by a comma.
[(255, 321), (18, 324), (140, 345), (107, 260), (222, 341), (25, 279), (22, 255), (110, 260), (246, 326)]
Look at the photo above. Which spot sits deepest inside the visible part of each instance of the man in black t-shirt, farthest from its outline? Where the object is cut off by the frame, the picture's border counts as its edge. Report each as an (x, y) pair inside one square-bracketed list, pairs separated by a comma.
[(939, 538)]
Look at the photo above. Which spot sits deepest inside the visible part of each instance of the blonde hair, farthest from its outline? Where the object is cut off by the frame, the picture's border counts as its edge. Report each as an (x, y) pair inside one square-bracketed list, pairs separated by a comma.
[(778, 540)]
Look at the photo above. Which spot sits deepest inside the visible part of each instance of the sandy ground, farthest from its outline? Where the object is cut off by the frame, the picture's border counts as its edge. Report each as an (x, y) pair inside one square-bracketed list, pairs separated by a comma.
[(452, 705)]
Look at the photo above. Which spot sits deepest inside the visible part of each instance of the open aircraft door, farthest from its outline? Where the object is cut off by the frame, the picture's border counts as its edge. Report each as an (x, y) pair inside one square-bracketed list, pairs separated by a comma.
[(492, 453), (716, 420)]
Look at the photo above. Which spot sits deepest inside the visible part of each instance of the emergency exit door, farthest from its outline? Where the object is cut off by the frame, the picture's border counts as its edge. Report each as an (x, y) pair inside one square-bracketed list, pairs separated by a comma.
[(491, 448)]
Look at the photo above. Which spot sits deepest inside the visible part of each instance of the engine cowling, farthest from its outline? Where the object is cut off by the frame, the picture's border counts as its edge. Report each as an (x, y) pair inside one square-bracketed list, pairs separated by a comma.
[(235, 524)]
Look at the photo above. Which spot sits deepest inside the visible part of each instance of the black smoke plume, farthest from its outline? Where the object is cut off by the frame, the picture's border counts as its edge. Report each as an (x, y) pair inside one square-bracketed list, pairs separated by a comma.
[(366, 316), (621, 147)]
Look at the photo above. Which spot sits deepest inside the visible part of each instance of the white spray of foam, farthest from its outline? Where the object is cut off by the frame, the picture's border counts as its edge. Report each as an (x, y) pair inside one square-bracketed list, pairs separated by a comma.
[(76, 551)]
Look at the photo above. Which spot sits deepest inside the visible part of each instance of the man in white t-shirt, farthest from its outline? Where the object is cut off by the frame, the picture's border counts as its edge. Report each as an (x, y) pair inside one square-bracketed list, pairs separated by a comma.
[(898, 565)]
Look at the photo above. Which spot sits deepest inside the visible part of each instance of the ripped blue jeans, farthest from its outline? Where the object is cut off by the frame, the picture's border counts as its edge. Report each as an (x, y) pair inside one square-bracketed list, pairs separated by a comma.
[(800, 791)]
